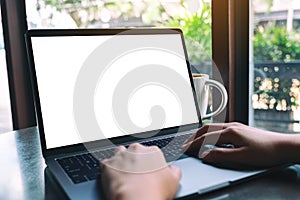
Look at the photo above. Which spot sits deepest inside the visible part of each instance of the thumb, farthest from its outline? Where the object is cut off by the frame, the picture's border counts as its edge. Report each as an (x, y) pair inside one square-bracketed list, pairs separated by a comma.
[(176, 172), (221, 156)]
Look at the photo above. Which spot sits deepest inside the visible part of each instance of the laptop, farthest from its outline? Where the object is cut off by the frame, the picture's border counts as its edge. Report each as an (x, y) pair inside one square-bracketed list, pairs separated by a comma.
[(100, 88)]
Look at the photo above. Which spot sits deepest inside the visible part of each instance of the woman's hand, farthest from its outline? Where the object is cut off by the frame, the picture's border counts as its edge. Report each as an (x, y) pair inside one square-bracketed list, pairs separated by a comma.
[(253, 148), (139, 172)]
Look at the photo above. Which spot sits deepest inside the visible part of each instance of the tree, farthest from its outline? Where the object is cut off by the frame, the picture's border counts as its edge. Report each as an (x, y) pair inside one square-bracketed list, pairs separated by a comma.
[(89, 12), (196, 28)]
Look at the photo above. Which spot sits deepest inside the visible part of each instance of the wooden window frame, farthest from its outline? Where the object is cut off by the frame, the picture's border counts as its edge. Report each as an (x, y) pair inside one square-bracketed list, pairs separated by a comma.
[(14, 27), (230, 36)]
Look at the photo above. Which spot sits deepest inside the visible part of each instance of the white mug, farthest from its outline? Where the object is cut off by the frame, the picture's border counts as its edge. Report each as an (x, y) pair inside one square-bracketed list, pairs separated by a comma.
[(202, 83)]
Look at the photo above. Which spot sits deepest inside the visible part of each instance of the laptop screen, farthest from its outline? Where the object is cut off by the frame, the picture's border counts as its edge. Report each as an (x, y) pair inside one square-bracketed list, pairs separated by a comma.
[(141, 83)]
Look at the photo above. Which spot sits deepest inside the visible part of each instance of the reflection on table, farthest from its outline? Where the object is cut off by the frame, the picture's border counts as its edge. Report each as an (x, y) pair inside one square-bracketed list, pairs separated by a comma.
[(24, 175)]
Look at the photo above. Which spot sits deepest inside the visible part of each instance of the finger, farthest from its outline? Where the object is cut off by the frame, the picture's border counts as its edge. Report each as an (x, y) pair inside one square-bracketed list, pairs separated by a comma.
[(135, 147), (153, 148), (173, 183), (119, 149), (211, 138), (139, 148), (224, 157), (208, 128), (194, 136), (230, 135), (176, 172), (192, 147)]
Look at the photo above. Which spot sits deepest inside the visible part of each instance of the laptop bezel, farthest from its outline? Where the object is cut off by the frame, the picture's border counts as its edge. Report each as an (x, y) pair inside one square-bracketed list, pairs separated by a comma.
[(92, 32)]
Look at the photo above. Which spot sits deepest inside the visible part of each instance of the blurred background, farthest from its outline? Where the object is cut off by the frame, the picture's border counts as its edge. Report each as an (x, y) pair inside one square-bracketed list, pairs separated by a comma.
[(274, 45)]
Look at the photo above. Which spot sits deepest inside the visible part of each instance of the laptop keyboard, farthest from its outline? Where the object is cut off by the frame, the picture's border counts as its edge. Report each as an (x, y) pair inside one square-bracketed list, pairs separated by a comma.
[(85, 167)]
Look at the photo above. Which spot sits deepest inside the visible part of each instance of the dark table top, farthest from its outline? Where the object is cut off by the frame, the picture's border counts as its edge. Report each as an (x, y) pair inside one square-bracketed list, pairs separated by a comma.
[(24, 175)]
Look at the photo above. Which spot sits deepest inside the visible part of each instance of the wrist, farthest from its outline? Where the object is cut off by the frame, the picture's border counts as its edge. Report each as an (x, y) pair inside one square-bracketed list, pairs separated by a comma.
[(289, 148), (295, 148)]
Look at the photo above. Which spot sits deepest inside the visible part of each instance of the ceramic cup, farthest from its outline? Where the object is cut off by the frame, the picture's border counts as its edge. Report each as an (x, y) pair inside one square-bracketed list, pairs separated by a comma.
[(202, 84)]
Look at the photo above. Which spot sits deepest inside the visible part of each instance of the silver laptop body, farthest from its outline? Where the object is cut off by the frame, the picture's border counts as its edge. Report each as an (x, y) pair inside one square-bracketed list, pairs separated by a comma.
[(91, 85)]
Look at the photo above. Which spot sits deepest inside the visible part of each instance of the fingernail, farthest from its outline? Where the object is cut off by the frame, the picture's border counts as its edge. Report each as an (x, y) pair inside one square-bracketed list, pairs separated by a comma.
[(189, 139), (184, 146), (205, 153), (186, 141)]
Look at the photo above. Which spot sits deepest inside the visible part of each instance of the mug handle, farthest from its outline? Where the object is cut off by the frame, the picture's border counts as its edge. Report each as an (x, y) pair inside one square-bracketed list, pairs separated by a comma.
[(224, 95)]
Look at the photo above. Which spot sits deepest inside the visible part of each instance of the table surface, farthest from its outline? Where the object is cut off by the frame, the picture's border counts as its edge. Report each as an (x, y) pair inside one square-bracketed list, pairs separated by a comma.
[(24, 175)]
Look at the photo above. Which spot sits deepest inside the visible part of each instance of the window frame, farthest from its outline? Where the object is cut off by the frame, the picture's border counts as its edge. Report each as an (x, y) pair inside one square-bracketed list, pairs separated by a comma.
[(14, 27), (230, 54)]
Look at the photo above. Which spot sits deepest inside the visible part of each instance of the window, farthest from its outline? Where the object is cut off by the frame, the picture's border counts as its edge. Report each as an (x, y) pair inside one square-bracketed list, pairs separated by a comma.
[(275, 65), (193, 17), (5, 112), (16, 24)]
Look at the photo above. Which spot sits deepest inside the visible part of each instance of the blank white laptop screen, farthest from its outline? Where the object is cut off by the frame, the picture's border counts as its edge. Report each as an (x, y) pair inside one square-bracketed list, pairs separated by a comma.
[(58, 61)]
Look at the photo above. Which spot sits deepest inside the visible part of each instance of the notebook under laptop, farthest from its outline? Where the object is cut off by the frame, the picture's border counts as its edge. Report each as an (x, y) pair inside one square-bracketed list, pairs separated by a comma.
[(96, 89)]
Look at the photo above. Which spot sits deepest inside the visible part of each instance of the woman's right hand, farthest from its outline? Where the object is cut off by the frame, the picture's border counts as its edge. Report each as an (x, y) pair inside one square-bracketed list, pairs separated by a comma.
[(253, 148)]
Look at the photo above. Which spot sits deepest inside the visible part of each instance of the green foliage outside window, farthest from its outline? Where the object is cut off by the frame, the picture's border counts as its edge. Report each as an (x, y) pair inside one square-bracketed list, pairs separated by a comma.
[(86, 13), (197, 32), (123, 13), (276, 88), (276, 44)]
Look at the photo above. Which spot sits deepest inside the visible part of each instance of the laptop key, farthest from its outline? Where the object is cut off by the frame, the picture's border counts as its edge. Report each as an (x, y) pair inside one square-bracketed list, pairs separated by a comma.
[(85, 167), (92, 176), (78, 178)]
